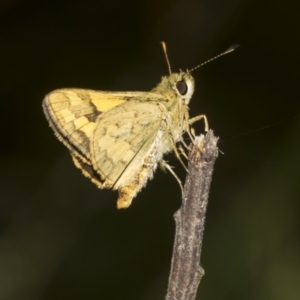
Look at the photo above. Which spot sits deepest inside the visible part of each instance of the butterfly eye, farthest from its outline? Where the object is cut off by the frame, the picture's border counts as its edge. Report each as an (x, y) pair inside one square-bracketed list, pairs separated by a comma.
[(181, 87)]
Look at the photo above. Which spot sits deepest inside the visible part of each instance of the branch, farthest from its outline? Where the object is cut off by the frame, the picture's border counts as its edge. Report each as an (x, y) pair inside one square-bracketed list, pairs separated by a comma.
[(186, 271)]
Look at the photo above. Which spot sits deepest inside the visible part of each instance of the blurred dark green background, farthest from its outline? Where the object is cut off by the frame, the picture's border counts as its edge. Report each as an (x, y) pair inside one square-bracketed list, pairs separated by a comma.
[(61, 237)]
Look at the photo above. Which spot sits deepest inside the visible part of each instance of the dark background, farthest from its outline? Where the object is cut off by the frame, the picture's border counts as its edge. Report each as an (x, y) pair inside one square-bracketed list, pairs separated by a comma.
[(61, 237)]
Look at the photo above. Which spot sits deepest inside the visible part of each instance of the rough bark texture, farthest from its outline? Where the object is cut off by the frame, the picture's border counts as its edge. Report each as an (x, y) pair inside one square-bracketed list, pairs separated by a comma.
[(186, 271)]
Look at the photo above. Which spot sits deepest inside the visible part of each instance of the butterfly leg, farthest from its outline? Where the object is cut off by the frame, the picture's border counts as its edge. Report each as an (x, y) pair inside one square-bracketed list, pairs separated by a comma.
[(177, 153), (181, 150), (190, 131), (165, 165), (193, 132), (184, 143), (195, 119)]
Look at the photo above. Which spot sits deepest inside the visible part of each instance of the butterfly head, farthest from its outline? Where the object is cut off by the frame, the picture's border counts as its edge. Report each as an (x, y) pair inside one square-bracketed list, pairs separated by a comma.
[(183, 84), (178, 86)]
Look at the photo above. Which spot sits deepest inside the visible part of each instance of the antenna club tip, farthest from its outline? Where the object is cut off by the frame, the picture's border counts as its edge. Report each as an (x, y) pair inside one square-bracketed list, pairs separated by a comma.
[(230, 49), (164, 45), (233, 47)]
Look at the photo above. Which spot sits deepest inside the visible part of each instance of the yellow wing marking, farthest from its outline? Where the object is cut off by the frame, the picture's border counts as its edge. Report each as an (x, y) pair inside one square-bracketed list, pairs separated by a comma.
[(72, 113)]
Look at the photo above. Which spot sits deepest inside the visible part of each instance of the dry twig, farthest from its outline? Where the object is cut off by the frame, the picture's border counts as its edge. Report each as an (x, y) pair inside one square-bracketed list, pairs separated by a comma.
[(186, 271)]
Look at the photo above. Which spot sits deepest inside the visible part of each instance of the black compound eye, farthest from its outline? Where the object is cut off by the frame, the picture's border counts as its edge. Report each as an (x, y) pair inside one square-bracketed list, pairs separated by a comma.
[(181, 87)]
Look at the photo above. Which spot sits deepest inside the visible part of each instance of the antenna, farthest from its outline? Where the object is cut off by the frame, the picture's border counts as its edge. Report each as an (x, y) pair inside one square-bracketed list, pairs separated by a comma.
[(230, 49), (164, 46)]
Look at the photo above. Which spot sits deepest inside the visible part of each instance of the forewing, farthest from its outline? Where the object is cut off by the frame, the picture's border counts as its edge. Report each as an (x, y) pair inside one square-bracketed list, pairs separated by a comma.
[(72, 113), (122, 138)]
